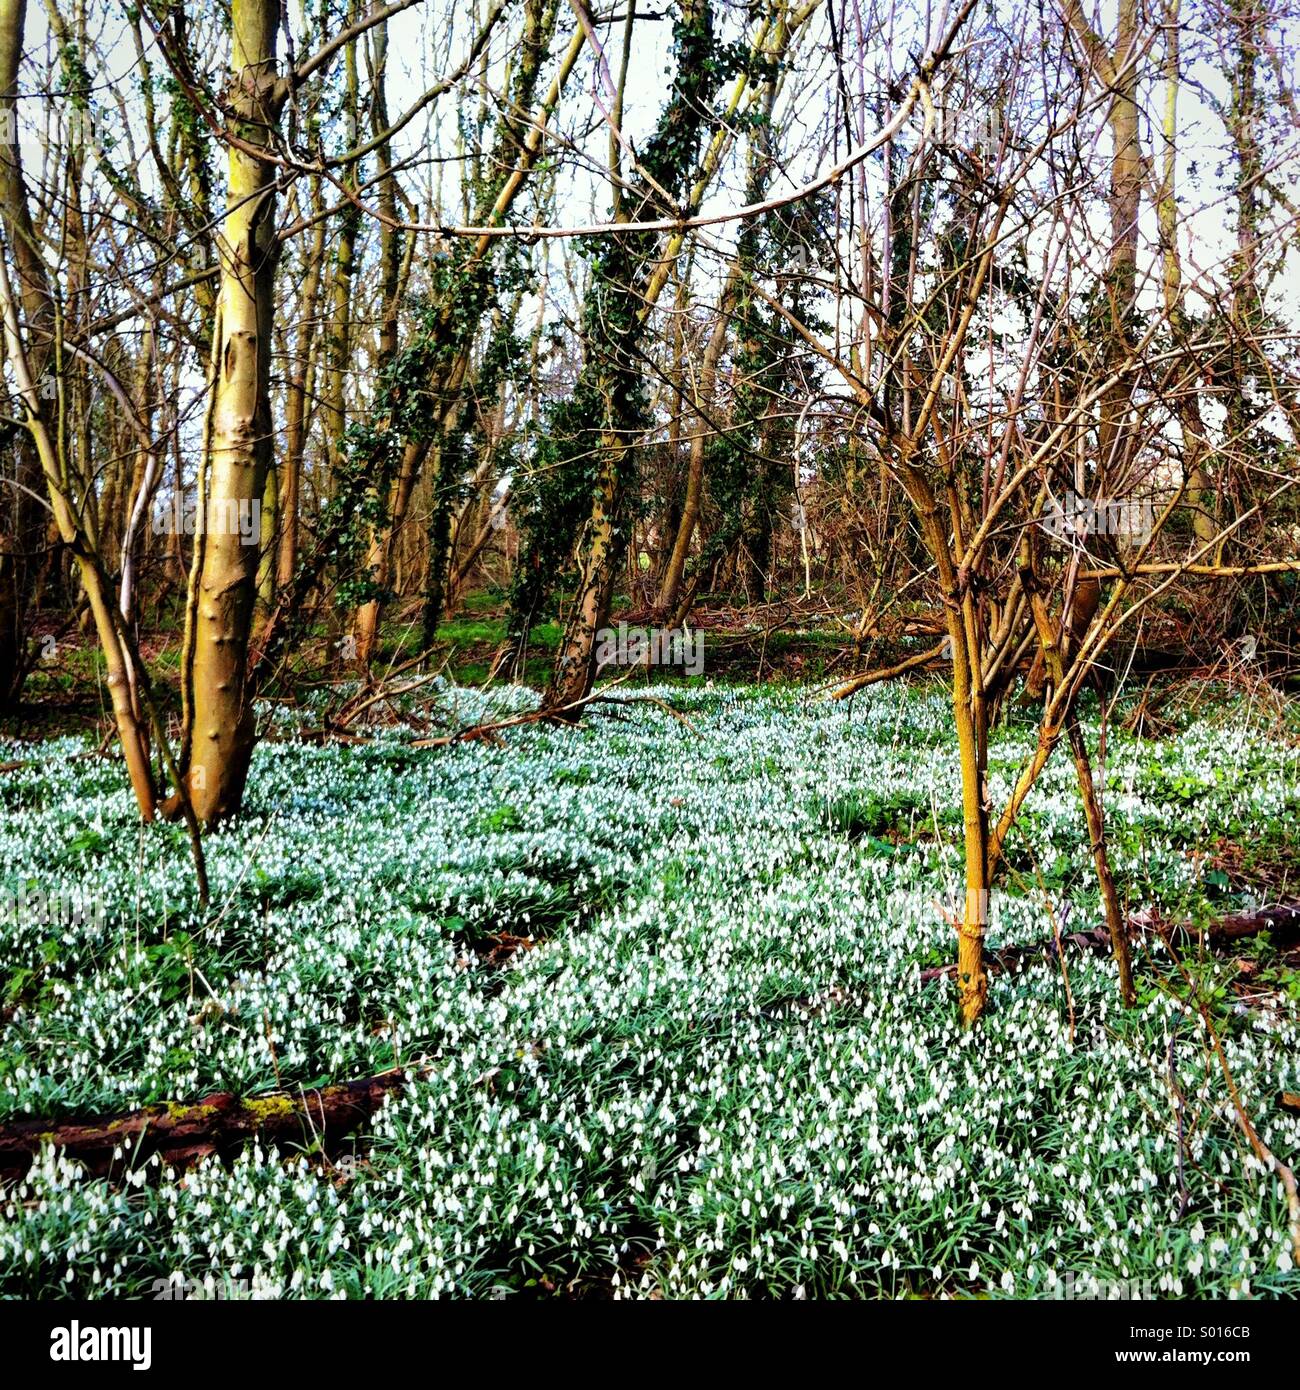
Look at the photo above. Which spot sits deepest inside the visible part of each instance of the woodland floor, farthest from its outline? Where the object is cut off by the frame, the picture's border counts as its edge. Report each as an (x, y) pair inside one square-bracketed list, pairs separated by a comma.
[(667, 997), (799, 641)]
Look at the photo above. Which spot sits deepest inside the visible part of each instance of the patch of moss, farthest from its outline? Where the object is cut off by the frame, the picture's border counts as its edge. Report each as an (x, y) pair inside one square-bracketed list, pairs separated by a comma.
[(268, 1106)]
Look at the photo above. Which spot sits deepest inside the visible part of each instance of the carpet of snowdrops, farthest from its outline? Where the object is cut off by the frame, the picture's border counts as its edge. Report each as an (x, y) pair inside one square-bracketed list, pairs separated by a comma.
[(716, 1073)]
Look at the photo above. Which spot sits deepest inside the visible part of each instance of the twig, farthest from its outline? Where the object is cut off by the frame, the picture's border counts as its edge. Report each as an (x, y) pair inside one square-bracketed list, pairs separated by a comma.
[(1262, 1152), (1180, 1101)]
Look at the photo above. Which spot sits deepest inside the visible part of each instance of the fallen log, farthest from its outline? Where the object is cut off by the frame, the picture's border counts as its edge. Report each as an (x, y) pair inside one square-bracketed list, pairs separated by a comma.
[(219, 1124), (1283, 916)]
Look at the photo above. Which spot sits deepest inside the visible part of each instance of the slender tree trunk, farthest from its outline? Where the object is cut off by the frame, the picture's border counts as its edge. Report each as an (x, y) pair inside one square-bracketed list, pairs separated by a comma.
[(972, 977), (103, 609), (972, 749), (1200, 497), (626, 289), (575, 667), (1115, 924), (296, 411), (1245, 117), (393, 270), (672, 581), (25, 532), (519, 138)]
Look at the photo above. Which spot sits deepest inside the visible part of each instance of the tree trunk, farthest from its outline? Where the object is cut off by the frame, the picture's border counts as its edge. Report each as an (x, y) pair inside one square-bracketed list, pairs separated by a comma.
[(972, 978), (300, 390), (219, 738), (103, 610), (576, 663), (24, 535), (518, 141), (672, 581), (1200, 497)]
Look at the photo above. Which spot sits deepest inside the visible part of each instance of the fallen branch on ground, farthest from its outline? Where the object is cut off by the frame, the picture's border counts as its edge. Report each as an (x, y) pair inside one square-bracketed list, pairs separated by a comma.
[(218, 1124), (1231, 928), (887, 673), (1282, 916)]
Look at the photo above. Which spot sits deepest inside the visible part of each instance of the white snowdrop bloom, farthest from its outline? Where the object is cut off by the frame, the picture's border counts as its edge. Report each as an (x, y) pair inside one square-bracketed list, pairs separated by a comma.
[(720, 1015)]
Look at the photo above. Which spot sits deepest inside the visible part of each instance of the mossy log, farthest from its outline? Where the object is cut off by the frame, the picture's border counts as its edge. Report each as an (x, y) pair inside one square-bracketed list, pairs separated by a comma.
[(220, 1123)]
